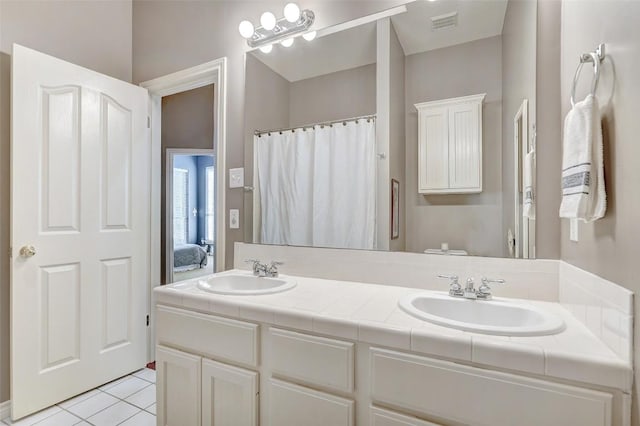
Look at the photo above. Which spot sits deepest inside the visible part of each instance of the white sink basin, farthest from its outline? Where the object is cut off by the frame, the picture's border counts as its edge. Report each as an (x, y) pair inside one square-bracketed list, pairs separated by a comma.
[(245, 284), (496, 317)]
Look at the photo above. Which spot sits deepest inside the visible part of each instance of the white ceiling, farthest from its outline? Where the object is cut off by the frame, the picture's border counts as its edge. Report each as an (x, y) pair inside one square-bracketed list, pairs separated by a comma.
[(356, 46), (477, 19)]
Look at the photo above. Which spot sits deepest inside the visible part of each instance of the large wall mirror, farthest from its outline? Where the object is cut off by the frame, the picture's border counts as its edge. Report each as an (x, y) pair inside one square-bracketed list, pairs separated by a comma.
[(411, 132)]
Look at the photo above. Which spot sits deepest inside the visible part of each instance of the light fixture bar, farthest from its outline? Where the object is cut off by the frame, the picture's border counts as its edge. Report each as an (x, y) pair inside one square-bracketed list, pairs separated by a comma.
[(283, 30)]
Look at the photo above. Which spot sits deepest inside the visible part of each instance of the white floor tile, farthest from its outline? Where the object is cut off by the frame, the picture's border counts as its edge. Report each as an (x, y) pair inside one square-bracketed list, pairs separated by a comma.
[(113, 415), (92, 405), (141, 419), (34, 418), (127, 387), (143, 398), (76, 399), (151, 409), (62, 418), (146, 374)]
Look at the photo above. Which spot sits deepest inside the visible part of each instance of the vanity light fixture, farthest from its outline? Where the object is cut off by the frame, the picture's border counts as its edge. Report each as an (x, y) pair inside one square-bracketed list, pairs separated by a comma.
[(273, 30), (310, 35), (266, 49)]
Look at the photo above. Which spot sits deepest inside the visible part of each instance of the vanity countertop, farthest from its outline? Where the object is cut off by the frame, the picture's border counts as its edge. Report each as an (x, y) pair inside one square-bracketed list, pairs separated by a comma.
[(370, 313)]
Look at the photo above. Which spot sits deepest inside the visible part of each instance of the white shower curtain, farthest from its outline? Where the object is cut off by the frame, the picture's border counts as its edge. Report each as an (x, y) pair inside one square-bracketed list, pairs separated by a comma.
[(318, 186)]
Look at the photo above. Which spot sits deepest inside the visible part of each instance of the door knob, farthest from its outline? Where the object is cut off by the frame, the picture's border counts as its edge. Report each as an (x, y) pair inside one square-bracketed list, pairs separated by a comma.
[(28, 251)]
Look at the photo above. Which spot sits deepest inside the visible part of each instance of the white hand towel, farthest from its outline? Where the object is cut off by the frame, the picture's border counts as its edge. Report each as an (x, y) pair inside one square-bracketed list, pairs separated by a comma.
[(583, 191), (529, 180)]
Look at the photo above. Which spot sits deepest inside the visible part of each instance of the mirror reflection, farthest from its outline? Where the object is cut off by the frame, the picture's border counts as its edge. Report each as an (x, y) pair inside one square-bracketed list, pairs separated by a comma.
[(414, 132)]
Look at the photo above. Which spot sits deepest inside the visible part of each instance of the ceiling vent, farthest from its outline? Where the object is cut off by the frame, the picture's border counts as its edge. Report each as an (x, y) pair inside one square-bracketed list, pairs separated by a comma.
[(442, 22)]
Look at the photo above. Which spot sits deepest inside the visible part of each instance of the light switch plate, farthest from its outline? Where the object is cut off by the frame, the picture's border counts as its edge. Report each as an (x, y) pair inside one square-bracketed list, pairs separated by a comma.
[(236, 177), (573, 230), (234, 218)]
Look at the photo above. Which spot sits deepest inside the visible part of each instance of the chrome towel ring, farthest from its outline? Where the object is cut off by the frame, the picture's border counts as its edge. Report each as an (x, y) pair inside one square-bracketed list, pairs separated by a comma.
[(595, 57)]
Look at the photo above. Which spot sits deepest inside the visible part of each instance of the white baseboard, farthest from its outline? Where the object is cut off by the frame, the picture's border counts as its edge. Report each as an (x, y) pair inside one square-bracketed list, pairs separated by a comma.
[(5, 409)]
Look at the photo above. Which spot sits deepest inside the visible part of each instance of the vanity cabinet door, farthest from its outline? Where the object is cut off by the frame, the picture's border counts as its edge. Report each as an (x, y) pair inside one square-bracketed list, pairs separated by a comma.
[(229, 395), (178, 387), (293, 405), (381, 417)]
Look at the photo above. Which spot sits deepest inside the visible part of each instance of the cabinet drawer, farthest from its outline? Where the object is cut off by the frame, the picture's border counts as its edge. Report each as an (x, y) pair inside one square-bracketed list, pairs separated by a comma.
[(292, 405), (381, 417), (474, 396), (312, 359), (209, 335)]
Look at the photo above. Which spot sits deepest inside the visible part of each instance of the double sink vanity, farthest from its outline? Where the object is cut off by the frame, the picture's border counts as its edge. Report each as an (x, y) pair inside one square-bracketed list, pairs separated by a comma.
[(239, 349)]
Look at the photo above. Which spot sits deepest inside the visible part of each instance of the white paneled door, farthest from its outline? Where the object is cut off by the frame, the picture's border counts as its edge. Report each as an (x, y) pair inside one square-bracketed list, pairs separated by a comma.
[(80, 194)]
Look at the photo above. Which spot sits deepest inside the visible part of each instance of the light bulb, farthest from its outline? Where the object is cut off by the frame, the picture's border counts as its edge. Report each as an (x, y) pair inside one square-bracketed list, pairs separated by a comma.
[(268, 21), (287, 42), (266, 49), (292, 12), (309, 36), (246, 29)]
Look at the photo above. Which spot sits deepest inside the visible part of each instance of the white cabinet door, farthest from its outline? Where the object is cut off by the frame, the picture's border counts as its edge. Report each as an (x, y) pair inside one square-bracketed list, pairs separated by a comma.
[(433, 155), (229, 395), (80, 191), (381, 417), (293, 405), (465, 150), (178, 387), (450, 145)]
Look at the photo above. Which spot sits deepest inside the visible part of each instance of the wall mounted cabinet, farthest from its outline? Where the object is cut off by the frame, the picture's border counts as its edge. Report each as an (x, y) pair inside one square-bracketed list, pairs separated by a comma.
[(450, 145)]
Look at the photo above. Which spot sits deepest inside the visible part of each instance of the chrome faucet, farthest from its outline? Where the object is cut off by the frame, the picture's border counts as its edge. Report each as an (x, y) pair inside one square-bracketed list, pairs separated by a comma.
[(263, 270), (469, 291)]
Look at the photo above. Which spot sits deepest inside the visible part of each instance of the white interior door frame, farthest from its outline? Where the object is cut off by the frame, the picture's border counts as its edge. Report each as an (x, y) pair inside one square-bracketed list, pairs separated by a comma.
[(520, 147), (213, 72), (171, 153)]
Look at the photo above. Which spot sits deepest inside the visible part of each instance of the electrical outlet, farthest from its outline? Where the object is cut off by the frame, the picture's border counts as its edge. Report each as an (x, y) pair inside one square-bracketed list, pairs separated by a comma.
[(236, 177), (234, 218), (573, 230)]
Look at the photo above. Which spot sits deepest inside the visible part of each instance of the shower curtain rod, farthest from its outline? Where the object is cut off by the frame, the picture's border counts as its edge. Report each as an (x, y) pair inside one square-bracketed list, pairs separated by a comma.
[(324, 123)]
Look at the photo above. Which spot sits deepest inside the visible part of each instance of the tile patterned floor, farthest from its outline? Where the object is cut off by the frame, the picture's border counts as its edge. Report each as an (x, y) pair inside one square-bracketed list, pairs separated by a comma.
[(129, 401)]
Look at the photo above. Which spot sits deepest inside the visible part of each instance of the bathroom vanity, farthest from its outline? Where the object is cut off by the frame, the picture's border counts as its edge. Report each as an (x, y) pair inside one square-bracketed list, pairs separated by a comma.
[(339, 353)]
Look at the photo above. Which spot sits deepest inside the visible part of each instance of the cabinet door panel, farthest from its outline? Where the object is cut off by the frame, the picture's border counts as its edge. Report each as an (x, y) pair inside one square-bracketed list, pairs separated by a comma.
[(292, 405), (381, 417), (436, 388), (465, 152), (178, 388), (229, 395), (433, 154)]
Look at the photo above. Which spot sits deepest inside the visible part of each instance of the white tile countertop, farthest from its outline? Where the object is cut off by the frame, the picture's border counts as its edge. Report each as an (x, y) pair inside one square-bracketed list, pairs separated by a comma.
[(370, 313)]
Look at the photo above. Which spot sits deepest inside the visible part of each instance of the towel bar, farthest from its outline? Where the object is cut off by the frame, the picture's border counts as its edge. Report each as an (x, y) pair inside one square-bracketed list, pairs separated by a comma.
[(595, 57)]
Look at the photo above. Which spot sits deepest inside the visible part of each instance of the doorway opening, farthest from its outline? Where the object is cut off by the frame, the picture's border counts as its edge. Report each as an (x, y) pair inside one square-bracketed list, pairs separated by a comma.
[(191, 211)]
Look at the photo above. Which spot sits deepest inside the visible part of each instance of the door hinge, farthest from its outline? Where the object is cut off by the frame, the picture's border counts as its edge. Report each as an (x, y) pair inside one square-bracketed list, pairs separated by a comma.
[(148, 122), (10, 252), (147, 320)]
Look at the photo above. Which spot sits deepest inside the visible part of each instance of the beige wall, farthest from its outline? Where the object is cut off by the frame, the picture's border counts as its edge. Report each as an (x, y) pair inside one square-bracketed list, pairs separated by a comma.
[(609, 247), (95, 34), (187, 123), (470, 222), (397, 142), (549, 129), (172, 35), (342, 94), (518, 83)]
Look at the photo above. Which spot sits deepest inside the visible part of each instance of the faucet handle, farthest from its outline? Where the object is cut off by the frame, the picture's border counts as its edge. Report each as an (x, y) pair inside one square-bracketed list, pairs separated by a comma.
[(452, 278), (454, 285), (276, 263), (487, 281)]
